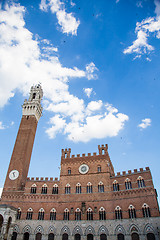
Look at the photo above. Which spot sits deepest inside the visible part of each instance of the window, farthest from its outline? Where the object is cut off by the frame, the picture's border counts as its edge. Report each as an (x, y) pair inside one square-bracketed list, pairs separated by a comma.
[(67, 189), (18, 214), (146, 210), (66, 214), (44, 189), (140, 182), (34, 95), (78, 188), (132, 212), (69, 171), (78, 214), (41, 214), (118, 213), (50, 236), (100, 187), (103, 152), (29, 214), (89, 187), (89, 214), (128, 184), (115, 186), (33, 188), (102, 214), (55, 189), (99, 168), (53, 214)]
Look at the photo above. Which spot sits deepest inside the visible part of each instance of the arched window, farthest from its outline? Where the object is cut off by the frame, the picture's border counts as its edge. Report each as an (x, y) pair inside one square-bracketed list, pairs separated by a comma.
[(89, 187), (53, 214), (89, 214), (69, 171), (65, 236), (118, 213), (77, 236), (67, 189), (38, 236), (18, 214), (50, 236), (66, 214), (100, 187), (120, 236), (78, 188), (44, 189), (103, 236), (33, 188), (132, 211), (134, 236), (128, 184), (55, 189), (41, 214), (115, 186), (140, 182), (99, 169), (102, 214), (14, 236), (146, 210), (78, 214), (29, 214), (26, 236)]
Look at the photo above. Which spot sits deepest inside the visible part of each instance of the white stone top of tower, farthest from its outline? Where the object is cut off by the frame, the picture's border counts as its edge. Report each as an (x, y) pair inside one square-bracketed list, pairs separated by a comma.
[(32, 106)]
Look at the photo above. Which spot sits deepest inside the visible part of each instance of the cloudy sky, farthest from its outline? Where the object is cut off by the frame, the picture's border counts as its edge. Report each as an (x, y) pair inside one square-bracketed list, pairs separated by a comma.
[(98, 64)]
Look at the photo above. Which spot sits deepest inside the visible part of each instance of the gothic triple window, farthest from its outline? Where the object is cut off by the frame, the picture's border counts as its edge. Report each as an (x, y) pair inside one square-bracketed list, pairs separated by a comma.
[(118, 213), (29, 214), (140, 182), (44, 189), (89, 187), (78, 214), (115, 186), (18, 214), (55, 189), (78, 188), (132, 211), (102, 214), (66, 214), (41, 214), (67, 189), (146, 211), (53, 214), (89, 214), (128, 184), (100, 187), (33, 188)]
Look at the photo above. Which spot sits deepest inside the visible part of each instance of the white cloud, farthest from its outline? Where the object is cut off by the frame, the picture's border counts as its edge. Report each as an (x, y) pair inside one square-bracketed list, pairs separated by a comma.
[(24, 60), (1, 189), (139, 4), (1, 126), (145, 123), (67, 21), (157, 9), (145, 29), (90, 70), (88, 91)]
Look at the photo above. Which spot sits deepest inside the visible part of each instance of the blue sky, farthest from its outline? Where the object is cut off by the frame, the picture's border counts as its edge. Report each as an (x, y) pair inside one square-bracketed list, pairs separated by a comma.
[(98, 64)]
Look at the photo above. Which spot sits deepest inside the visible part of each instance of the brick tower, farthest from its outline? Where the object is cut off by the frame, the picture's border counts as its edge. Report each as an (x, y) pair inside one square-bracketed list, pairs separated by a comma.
[(20, 159)]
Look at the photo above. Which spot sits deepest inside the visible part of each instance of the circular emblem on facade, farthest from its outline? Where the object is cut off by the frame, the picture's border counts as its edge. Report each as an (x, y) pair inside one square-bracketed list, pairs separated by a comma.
[(13, 174), (83, 169)]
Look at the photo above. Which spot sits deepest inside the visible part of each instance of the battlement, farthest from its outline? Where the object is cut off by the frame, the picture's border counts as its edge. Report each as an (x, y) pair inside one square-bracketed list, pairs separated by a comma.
[(124, 173), (42, 179)]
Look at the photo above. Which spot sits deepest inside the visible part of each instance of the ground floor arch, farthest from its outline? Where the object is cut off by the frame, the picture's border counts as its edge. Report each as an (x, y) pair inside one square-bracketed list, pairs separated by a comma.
[(77, 236), (90, 236), (14, 236), (50, 236), (150, 236), (134, 236), (38, 236), (1, 222), (65, 236), (120, 236), (26, 236), (103, 236)]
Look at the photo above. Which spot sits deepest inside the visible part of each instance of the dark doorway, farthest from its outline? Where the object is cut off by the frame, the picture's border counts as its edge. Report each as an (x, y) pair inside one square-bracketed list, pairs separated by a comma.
[(120, 236), (26, 236), (1, 222), (77, 236), (135, 236), (38, 236), (103, 237), (65, 236), (14, 236), (150, 236), (51, 236), (90, 237)]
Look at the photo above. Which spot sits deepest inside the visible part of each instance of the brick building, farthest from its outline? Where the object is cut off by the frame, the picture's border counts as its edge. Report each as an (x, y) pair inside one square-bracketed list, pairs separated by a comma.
[(88, 201)]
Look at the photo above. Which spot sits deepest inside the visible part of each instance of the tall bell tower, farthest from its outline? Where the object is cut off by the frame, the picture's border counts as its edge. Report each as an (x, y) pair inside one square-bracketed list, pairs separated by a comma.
[(20, 159)]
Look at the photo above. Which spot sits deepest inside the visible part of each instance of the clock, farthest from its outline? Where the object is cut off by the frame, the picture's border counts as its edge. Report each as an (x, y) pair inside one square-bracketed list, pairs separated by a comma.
[(83, 169), (13, 174)]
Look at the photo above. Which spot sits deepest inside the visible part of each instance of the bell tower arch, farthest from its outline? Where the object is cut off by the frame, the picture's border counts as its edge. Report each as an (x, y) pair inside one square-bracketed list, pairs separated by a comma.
[(20, 159)]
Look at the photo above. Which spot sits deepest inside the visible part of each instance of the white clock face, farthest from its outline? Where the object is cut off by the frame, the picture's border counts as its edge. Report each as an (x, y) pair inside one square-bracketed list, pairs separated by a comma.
[(83, 169), (13, 174)]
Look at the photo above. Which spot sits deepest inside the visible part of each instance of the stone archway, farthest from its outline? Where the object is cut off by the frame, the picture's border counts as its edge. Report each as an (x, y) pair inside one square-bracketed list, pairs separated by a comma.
[(89, 236), (38, 236), (103, 236), (26, 236), (14, 236), (120, 236), (77, 236), (135, 236), (50, 236), (65, 236), (150, 236), (1, 222)]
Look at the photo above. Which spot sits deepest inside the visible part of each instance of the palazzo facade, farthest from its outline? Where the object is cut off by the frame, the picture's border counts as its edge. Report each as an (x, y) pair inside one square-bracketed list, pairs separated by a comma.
[(88, 202)]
